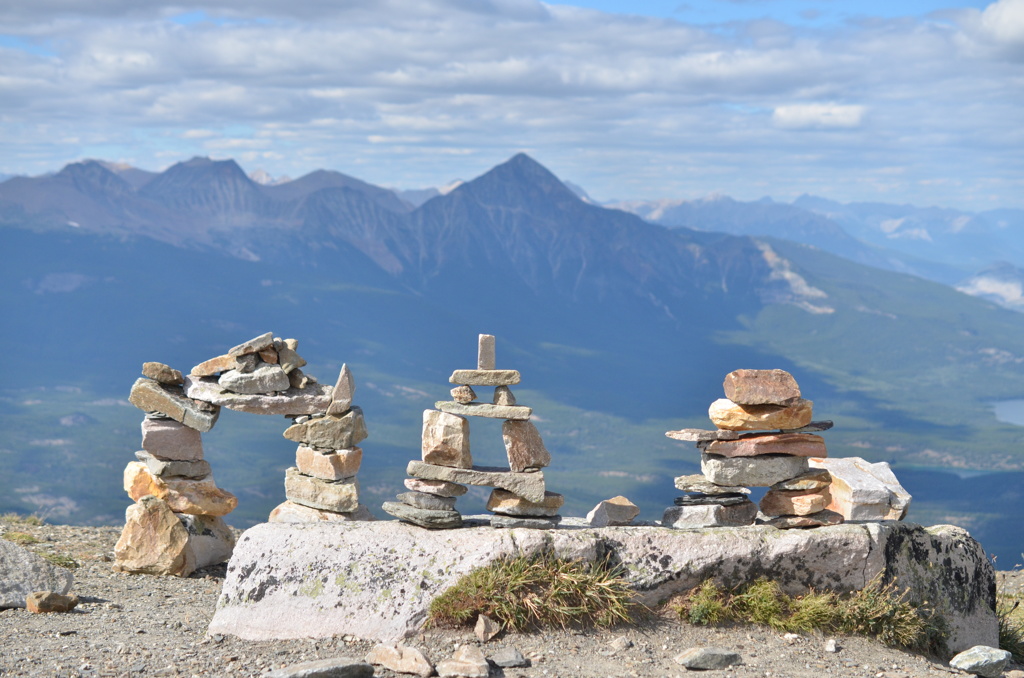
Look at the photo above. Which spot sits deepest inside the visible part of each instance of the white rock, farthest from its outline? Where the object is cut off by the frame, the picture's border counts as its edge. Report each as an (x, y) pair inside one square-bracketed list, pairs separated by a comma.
[(864, 491), (296, 581), (751, 471), (981, 660), (614, 511), (23, 572)]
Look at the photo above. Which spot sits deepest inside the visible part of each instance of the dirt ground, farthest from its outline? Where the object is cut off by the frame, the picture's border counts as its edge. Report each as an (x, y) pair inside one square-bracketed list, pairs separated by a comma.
[(136, 625)]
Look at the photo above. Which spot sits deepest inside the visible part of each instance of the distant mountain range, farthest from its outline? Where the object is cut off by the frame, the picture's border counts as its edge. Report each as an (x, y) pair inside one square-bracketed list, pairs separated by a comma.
[(622, 328)]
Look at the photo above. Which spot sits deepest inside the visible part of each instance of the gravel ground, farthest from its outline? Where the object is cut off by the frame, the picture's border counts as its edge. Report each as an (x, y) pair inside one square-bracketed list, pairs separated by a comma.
[(136, 625)]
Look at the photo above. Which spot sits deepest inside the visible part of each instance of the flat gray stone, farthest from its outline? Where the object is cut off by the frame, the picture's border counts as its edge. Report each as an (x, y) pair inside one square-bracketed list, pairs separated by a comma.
[(152, 396), (485, 377), (697, 435), (484, 410), (509, 658), (981, 660), (254, 345), (23, 572), (174, 469), (312, 399), (529, 486), (315, 580), (429, 518), (813, 427), (530, 523), (336, 667), (425, 500), (699, 484), (819, 519), (264, 379), (707, 658), (763, 471), (710, 515), (710, 499)]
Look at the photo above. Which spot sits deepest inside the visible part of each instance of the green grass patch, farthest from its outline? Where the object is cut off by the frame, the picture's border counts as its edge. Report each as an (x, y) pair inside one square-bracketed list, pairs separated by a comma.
[(18, 519), (61, 560), (538, 592), (20, 538), (879, 611), (1011, 628)]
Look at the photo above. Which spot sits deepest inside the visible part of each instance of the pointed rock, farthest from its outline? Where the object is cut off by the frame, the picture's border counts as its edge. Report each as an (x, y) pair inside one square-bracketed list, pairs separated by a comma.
[(486, 628), (286, 355), (344, 391), (445, 440), (524, 446), (503, 396)]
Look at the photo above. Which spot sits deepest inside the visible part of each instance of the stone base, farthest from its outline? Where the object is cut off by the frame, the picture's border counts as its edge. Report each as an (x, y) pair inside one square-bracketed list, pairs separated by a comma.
[(290, 512), (377, 580)]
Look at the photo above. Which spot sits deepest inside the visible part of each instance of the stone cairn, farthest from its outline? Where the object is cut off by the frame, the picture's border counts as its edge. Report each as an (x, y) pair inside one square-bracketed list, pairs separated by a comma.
[(519, 498), (176, 524), (322, 486), (764, 437)]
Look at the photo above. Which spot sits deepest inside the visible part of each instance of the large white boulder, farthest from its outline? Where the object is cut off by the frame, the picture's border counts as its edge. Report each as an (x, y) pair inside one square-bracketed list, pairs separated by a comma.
[(376, 580), (864, 491)]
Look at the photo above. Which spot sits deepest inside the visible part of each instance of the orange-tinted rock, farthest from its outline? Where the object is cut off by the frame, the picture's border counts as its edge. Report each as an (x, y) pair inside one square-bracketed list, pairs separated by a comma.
[(794, 503), (332, 465), (162, 373), (790, 444), (524, 446), (49, 601), (214, 366), (727, 415), (153, 541), (197, 497)]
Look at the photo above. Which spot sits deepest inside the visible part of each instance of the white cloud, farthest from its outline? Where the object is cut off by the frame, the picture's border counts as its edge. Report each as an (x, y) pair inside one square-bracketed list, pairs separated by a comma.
[(818, 116), (415, 93)]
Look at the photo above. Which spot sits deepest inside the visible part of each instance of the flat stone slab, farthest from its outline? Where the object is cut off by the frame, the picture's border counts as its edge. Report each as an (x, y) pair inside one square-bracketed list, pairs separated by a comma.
[(529, 486), (484, 410), (376, 580), (699, 435), (485, 377), (310, 400)]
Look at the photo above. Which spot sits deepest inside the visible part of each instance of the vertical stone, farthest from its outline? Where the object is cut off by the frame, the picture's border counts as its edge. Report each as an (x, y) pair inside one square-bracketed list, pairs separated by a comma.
[(524, 446), (485, 359), (344, 391), (446, 440)]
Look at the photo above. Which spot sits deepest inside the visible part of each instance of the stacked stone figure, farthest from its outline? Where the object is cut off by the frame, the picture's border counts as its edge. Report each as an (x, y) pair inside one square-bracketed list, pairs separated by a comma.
[(519, 497), (764, 437), (322, 486), (176, 524)]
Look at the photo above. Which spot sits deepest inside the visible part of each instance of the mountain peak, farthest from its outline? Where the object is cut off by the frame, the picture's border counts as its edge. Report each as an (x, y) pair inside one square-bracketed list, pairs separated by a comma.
[(517, 179)]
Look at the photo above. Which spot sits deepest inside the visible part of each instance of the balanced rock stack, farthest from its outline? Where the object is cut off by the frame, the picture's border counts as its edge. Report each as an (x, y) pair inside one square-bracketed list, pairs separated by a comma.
[(176, 525), (519, 497), (322, 486), (764, 437)]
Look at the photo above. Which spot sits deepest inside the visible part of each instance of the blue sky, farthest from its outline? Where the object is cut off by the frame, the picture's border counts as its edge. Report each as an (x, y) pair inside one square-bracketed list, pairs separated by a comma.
[(914, 101)]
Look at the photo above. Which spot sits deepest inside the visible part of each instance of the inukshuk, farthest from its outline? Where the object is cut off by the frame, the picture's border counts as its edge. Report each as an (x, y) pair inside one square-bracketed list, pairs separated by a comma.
[(764, 437), (519, 497)]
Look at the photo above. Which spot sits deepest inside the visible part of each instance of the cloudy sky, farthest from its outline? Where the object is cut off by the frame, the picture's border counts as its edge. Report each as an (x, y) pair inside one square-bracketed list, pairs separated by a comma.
[(918, 101)]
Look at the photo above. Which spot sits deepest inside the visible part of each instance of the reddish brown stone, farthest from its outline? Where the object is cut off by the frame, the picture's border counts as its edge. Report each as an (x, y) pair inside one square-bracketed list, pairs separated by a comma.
[(791, 444), (761, 387), (48, 601)]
